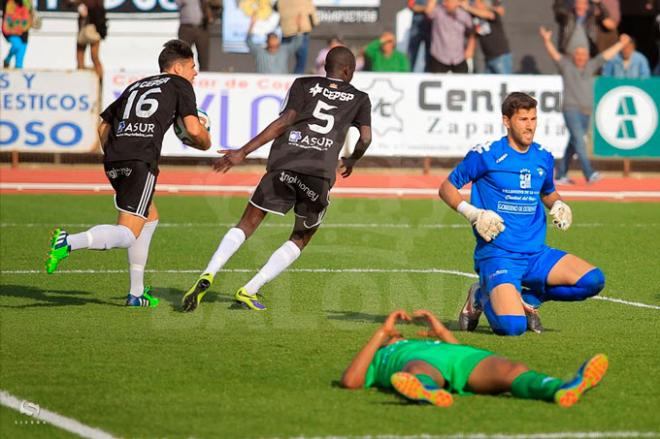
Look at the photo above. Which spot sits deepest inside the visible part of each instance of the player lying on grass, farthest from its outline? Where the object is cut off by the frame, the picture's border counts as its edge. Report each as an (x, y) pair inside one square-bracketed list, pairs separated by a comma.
[(131, 135), (302, 165), (511, 182), (431, 370)]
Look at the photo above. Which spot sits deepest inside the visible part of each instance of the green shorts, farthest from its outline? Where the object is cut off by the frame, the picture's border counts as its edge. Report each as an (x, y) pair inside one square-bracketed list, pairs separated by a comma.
[(454, 361)]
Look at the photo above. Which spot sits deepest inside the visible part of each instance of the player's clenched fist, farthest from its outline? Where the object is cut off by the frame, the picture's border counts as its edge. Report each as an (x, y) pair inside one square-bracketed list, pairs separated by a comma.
[(562, 216), (487, 223)]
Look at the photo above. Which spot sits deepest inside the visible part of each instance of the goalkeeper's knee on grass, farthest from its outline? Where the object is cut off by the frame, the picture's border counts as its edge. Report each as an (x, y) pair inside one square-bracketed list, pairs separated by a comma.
[(505, 324), (587, 286)]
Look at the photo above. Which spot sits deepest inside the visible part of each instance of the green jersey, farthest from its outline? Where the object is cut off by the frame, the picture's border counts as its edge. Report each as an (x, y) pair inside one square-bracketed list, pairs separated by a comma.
[(454, 361)]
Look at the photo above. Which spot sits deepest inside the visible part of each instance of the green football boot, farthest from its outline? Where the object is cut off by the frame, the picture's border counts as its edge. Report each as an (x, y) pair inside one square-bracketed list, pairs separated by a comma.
[(146, 300), (59, 249), (248, 301), (194, 295)]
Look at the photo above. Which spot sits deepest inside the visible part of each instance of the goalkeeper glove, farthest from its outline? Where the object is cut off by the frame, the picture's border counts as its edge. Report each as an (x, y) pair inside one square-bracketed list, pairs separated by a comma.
[(562, 216), (487, 223)]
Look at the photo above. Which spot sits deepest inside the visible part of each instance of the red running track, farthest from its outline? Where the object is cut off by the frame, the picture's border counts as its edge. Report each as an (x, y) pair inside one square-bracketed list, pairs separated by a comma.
[(368, 185)]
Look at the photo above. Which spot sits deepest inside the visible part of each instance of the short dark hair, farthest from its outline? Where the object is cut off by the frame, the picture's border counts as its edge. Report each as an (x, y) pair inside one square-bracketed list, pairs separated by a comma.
[(173, 51), (516, 101), (270, 35), (338, 58)]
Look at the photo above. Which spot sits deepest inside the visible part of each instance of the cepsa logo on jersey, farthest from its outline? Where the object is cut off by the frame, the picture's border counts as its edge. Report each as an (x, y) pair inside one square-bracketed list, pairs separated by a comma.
[(332, 95)]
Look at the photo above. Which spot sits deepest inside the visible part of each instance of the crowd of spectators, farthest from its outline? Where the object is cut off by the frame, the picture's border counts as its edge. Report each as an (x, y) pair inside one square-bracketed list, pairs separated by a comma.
[(443, 36)]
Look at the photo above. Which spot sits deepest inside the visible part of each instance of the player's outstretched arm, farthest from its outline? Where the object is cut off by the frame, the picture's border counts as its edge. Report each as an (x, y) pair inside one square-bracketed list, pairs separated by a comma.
[(355, 374), (361, 147), (197, 132), (436, 328), (562, 215), (272, 131)]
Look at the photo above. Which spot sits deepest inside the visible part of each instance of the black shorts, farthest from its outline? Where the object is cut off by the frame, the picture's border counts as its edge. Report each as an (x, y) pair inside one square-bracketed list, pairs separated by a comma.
[(134, 182), (279, 191)]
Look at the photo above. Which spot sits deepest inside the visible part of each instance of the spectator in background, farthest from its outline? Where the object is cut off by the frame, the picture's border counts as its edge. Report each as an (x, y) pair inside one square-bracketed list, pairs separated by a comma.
[(608, 37), (194, 19), (92, 28), (16, 24), (420, 32), (629, 64), (319, 64), (452, 37), (490, 30), (292, 25), (578, 76), (274, 58), (578, 26), (381, 55)]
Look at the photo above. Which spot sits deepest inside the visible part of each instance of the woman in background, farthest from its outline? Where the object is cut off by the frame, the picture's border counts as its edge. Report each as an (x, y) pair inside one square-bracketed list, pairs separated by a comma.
[(16, 23), (92, 28)]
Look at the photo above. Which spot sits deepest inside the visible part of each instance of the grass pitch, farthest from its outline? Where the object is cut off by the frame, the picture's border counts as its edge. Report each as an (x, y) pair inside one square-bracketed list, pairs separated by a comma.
[(68, 344)]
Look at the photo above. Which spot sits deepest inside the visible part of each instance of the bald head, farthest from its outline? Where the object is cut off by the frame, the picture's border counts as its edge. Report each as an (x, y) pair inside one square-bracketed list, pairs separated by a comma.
[(340, 61)]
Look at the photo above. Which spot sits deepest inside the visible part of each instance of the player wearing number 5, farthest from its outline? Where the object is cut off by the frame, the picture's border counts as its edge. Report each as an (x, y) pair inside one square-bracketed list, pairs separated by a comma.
[(511, 181), (131, 134), (308, 137)]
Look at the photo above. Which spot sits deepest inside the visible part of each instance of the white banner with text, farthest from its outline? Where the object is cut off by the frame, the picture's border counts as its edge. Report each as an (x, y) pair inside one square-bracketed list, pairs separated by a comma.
[(413, 115), (48, 111)]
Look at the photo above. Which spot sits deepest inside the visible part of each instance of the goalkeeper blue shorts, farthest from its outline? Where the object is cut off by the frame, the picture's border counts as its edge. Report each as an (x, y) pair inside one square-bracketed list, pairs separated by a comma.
[(519, 269)]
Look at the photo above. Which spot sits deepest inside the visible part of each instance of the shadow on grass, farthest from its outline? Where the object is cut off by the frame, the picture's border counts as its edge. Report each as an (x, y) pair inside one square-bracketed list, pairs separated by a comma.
[(45, 298), (354, 316), (173, 297)]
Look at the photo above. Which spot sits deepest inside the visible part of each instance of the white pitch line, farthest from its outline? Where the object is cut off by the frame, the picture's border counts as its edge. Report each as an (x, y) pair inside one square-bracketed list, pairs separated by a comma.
[(316, 270), (174, 188), (554, 435), (69, 424)]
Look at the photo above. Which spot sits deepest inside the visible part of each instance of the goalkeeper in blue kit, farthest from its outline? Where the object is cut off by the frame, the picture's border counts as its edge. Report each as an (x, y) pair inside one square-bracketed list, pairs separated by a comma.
[(511, 183)]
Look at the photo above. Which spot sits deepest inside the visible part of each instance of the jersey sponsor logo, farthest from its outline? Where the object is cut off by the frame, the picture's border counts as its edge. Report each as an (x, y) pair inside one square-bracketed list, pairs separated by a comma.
[(116, 172), (331, 94), (152, 83), (516, 208), (289, 179), (501, 159), (295, 136), (525, 179), (135, 129), (309, 142)]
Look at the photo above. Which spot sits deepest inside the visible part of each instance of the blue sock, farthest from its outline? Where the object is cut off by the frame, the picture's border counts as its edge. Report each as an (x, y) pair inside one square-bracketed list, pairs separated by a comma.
[(587, 286), (505, 324)]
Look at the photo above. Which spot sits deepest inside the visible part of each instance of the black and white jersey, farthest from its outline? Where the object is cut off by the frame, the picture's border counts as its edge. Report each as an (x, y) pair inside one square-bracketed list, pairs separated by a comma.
[(326, 109), (143, 113)]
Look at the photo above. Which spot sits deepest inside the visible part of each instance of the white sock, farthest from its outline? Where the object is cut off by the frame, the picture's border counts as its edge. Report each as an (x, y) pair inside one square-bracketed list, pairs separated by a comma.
[(137, 257), (103, 237), (231, 242), (278, 262)]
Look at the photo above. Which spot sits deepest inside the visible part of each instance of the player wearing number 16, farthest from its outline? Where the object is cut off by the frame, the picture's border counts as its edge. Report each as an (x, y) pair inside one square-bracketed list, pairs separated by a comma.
[(131, 134), (511, 182), (308, 137)]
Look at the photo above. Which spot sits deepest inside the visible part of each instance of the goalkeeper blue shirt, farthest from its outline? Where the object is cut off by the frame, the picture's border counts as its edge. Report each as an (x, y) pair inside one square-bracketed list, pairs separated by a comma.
[(510, 183)]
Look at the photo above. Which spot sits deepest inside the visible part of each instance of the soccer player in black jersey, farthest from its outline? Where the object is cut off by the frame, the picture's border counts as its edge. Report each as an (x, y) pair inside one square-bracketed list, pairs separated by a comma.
[(308, 137), (131, 134)]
